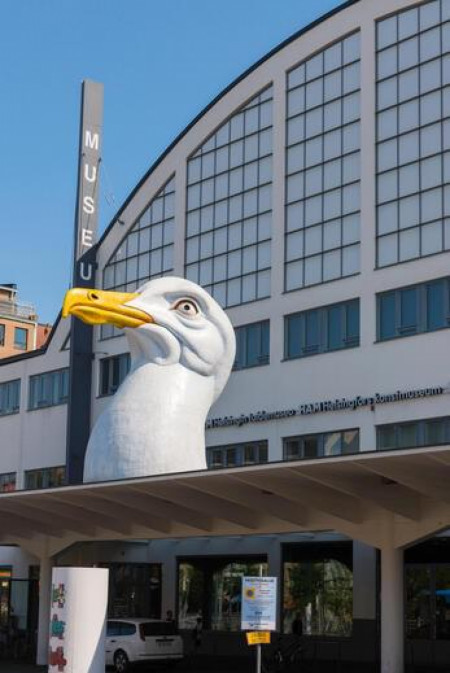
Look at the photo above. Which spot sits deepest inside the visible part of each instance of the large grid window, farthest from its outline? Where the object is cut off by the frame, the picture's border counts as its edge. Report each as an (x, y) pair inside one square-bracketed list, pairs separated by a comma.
[(47, 477), (234, 455), (323, 167), (7, 482), (413, 133), (337, 443), (414, 309), (252, 345), (113, 371), (229, 207), (9, 397), (146, 251), (322, 330), (410, 434), (49, 389)]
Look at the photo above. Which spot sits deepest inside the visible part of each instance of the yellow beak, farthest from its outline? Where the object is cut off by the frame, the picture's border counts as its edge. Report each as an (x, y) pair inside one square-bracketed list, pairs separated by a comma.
[(97, 307)]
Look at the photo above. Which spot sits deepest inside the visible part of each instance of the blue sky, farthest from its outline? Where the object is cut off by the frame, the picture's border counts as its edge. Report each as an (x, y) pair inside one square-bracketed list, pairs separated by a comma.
[(160, 63)]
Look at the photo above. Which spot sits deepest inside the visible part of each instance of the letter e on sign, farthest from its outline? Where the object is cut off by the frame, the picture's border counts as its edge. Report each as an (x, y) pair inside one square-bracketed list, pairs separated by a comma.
[(86, 238)]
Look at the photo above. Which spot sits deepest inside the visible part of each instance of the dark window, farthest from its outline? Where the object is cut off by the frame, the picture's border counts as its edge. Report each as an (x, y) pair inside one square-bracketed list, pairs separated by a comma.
[(212, 587), (322, 330), (387, 315), (158, 628), (321, 444), (428, 432), (112, 372), (127, 629), (249, 453), (9, 397), (47, 477), (48, 389), (435, 300), (317, 581), (20, 338), (414, 310), (408, 310), (7, 482), (134, 593), (2, 335), (252, 345), (112, 629)]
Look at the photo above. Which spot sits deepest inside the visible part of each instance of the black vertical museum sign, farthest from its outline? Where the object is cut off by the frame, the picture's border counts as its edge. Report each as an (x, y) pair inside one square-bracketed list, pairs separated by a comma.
[(84, 265)]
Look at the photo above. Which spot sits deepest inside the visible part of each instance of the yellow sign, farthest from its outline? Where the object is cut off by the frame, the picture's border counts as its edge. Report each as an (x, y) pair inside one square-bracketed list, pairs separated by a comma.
[(258, 637)]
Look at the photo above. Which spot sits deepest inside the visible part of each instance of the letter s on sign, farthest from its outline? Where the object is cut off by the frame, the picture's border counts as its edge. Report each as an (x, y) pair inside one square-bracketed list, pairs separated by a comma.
[(88, 205)]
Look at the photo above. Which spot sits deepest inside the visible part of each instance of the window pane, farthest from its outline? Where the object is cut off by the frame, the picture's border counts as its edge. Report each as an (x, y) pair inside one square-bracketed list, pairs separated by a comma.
[(311, 446), (332, 445), (387, 316), (312, 331), (435, 432), (408, 310), (293, 346), (335, 336), (436, 317), (352, 326), (20, 338), (407, 435), (350, 441), (442, 593), (418, 597)]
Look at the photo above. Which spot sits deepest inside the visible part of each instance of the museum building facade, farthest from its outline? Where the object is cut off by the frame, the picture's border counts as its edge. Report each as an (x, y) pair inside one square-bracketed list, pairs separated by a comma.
[(312, 200)]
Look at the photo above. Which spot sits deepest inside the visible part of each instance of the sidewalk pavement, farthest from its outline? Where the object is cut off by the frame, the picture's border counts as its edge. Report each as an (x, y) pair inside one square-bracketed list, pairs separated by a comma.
[(224, 665)]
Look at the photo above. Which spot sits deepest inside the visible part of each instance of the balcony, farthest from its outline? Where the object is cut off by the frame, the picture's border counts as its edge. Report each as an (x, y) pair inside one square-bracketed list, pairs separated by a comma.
[(11, 309)]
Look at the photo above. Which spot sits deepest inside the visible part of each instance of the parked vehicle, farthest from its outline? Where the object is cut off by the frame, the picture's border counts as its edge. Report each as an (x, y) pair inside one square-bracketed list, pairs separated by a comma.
[(129, 641)]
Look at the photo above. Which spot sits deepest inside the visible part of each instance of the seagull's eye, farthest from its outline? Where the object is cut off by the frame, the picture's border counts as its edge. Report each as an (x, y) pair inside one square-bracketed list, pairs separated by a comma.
[(187, 307)]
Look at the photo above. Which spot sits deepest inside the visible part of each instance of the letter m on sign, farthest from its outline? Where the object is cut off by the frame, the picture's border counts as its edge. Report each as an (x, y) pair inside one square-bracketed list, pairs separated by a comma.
[(91, 140)]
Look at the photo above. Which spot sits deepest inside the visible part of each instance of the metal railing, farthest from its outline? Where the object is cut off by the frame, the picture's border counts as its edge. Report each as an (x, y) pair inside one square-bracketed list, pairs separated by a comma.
[(18, 310)]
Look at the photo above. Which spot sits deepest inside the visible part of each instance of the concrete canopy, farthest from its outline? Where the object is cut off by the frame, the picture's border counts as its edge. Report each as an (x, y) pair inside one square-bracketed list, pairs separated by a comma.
[(385, 499)]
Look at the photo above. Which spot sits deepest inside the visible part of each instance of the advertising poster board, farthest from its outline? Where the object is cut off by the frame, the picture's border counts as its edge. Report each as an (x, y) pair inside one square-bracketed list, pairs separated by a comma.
[(259, 603)]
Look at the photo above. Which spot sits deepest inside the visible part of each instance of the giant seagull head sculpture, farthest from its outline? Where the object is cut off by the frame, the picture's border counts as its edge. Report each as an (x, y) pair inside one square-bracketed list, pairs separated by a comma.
[(182, 348)]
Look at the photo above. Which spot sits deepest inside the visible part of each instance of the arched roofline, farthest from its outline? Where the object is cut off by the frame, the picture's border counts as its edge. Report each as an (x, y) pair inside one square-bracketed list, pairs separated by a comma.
[(215, 100), (162, 156)]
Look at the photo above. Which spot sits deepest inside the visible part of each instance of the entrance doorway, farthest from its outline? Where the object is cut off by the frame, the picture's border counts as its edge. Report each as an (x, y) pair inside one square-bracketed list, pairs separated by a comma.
[(19, 601)]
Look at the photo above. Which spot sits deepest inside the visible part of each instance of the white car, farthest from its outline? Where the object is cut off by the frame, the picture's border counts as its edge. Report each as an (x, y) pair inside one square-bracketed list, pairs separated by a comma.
[(129, 641)]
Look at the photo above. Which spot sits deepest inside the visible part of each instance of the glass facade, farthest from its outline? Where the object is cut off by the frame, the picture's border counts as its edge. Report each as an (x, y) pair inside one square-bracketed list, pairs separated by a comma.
[(252, 345), (134, 590), (211, 588), (323, 167), (410, 434), (46, 477), (233, 455), (321, 330), (9, 397), (229, 207), (414, 309), (49, 389), (145, 252), (340, 442), (413, 133), (113, 371), (318, 588)]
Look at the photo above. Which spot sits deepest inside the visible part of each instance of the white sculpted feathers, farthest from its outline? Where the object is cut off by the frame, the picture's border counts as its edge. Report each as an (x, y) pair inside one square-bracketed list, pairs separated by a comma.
[(180, 362)]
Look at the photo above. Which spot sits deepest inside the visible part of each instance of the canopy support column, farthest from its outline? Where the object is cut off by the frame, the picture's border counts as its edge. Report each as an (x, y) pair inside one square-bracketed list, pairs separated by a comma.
[(45, 585), (392, 611)]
